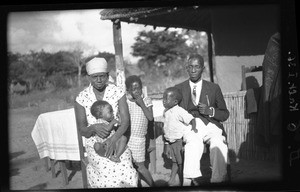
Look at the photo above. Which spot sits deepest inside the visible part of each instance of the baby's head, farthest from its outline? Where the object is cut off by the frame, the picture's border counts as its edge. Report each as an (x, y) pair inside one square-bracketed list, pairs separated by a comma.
[(102, 110), (171, 97), (134, 86)]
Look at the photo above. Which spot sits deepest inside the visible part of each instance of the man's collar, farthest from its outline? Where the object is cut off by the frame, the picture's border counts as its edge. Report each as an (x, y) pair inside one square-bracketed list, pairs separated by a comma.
[(197, 83)]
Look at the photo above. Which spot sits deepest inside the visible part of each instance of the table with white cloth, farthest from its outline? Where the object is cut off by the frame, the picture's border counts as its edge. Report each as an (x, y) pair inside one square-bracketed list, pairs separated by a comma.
[(56, 139)]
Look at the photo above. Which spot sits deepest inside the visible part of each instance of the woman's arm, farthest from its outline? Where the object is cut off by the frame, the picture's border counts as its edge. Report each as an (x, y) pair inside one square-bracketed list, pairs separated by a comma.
[(82, 127), (125, 119)]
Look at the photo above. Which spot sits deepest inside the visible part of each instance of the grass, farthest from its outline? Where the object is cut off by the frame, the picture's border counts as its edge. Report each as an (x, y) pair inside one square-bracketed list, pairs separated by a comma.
[(45, 100), (57, 99)]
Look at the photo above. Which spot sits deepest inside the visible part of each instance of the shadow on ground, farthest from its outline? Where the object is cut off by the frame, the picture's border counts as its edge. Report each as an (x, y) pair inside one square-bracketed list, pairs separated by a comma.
[(38, 187), (15, 154)]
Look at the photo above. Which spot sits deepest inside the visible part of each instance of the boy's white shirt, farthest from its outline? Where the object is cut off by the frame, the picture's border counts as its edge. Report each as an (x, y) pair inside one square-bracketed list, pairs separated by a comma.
[(176, 122)]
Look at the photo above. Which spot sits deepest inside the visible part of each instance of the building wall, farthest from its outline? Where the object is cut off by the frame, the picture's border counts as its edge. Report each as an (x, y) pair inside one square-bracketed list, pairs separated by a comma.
[(229, 71), (241, 35)]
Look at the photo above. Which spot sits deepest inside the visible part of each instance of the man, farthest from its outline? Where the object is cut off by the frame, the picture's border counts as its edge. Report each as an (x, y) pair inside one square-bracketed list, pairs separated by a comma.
[(205, 100)]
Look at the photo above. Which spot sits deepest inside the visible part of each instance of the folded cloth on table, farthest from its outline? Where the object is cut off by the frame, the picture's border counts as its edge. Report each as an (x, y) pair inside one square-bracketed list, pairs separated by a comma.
[(55, 135)]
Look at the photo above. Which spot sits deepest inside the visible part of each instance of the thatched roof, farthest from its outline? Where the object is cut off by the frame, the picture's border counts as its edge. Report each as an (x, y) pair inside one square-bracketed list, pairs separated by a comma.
[(193, 18)]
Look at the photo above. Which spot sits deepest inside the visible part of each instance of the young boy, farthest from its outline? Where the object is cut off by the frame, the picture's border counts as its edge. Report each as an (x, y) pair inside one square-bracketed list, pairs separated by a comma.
[(140, 110), (180, 124), (103, 112)]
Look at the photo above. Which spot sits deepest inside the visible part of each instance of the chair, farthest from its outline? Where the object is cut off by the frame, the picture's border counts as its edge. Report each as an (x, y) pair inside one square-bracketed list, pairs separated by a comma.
[(247, 81), (83, 160)]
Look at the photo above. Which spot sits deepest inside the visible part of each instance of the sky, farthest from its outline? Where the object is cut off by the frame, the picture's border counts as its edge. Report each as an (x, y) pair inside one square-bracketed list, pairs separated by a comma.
[(53, 31)]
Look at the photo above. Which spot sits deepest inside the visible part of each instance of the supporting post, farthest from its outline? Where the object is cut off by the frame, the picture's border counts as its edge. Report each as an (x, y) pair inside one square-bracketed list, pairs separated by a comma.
[(210, 55), (120, 70)]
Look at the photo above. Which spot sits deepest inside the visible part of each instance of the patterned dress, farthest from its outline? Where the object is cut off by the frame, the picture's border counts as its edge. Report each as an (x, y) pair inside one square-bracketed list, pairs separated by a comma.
[(139, 126), (101, 171)]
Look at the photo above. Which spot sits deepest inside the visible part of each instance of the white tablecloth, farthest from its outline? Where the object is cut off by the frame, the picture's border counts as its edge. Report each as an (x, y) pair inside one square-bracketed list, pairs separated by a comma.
[(55, 135)]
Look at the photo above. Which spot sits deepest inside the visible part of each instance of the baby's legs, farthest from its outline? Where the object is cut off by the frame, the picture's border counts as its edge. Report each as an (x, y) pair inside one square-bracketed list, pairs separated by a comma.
[(100, 149), (120, 148)]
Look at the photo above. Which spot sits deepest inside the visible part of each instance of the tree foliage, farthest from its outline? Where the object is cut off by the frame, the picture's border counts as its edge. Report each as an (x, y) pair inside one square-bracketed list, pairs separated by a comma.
[(160, 48)]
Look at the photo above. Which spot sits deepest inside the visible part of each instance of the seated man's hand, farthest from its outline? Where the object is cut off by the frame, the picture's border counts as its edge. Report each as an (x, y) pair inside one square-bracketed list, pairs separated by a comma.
[(204, 109)]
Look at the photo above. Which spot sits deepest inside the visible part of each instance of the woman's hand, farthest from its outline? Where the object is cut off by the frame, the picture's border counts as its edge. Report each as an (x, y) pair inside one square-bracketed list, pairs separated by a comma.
[(110, 146), (101, 130)]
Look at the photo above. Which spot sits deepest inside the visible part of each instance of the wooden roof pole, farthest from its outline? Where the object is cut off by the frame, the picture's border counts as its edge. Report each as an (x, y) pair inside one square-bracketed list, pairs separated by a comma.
[(210, 55), (120, 69)]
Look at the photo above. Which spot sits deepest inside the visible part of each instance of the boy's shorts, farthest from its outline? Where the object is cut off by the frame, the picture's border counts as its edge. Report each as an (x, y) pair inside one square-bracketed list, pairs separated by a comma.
[(176, 151)]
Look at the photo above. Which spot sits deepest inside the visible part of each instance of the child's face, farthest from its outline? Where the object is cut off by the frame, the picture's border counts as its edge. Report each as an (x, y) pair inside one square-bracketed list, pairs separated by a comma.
[(107, 113), (135, 89), (169, 100)]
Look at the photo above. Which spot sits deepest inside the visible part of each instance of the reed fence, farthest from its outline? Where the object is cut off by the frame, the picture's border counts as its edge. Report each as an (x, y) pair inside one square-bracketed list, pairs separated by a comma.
[(241, 128)]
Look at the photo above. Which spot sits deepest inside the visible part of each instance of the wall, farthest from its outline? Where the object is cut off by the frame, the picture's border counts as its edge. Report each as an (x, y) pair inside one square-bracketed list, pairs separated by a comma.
[(241, 35)]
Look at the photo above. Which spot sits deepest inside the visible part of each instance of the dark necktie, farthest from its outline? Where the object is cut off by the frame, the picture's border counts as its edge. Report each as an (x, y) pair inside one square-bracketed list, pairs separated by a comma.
[(194, 95)]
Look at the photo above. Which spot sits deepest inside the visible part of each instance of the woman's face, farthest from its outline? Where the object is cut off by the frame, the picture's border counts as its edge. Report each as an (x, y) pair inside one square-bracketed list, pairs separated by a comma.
[(135, 89), (99, 80)]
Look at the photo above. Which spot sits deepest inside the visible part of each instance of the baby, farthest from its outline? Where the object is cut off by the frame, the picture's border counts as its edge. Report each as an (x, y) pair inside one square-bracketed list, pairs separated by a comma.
[(103, 112)]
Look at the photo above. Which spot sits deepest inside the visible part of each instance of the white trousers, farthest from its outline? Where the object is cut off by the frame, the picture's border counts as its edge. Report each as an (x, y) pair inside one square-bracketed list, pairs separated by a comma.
[(193, 151)]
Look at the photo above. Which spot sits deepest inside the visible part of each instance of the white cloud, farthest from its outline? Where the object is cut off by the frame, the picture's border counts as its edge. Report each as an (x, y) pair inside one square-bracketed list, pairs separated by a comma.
[(63, 30)]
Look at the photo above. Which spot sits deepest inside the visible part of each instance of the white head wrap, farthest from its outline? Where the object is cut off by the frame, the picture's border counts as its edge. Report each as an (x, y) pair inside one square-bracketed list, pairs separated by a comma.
[(96, 65)]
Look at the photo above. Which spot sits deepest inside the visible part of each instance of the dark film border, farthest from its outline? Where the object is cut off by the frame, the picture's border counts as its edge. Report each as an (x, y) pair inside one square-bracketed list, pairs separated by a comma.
[(290, 85)]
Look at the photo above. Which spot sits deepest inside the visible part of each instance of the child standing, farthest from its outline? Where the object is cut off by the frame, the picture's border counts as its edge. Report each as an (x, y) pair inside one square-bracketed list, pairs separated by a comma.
[(180, 124), (140, 110), (103, 112)]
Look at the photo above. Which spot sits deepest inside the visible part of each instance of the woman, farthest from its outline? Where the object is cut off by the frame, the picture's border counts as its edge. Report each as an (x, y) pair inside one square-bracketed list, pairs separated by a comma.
[(101, 171)]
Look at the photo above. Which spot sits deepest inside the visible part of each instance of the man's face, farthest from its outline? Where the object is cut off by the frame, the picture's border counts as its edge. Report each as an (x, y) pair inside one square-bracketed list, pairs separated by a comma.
[(194, 69)]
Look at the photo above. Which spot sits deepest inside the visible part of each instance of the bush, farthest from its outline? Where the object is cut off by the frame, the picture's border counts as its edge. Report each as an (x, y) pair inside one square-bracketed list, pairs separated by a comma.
[(60, 82)]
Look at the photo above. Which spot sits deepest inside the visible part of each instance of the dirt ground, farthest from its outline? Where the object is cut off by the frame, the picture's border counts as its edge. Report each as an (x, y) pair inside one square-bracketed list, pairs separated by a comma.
[(27, 170)]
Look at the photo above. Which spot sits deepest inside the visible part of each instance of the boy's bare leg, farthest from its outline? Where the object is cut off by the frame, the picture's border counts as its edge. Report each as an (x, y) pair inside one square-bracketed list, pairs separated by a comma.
[(180, 174), (174, 171), (145, 173)]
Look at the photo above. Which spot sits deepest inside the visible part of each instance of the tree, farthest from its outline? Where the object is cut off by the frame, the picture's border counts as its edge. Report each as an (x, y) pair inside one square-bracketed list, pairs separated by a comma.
[(159, 50), (76, 58)]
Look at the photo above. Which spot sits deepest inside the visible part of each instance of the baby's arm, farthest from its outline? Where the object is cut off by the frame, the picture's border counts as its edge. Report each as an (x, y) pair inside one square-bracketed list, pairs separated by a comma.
[(112, 124)]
